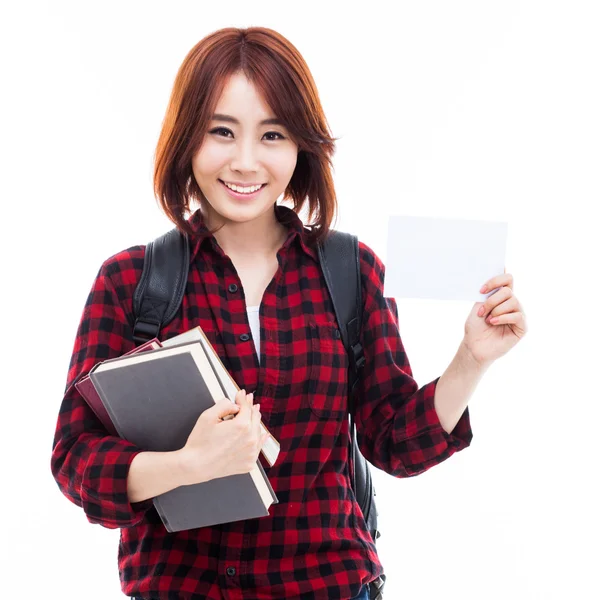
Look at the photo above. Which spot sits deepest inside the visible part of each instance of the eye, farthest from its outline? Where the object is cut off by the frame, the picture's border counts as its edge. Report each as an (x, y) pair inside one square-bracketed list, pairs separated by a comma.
[(274, 133), (224, 132), (218, 129)]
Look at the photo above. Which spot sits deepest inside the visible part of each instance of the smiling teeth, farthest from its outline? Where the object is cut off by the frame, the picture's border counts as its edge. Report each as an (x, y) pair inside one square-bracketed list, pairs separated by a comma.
[(243, 190)]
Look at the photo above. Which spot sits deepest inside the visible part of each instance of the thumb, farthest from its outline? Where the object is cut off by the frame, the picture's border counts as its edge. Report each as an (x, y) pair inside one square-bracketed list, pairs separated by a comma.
[(223, 408)]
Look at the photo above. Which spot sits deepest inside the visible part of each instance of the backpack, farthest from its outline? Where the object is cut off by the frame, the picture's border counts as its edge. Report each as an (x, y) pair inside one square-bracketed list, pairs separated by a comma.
[(159, 294)]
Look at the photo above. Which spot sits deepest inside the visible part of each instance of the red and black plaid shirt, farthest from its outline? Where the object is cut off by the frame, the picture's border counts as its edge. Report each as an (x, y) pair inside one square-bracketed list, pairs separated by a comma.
[(315, 543)]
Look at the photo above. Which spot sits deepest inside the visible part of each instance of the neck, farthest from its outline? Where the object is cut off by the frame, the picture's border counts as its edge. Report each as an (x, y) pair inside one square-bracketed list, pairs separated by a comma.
[(260, 237)]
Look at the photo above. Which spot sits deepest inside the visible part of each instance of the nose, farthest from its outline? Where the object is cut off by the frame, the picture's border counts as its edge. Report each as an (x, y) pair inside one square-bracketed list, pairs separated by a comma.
[(245, 156)]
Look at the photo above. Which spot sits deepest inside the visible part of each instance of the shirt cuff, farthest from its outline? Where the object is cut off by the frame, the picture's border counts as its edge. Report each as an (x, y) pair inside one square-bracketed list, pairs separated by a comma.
[(104, 486), (460, 437)]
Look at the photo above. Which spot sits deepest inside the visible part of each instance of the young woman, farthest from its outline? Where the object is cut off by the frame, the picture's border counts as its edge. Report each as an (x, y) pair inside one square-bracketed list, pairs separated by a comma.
[(245, 129)]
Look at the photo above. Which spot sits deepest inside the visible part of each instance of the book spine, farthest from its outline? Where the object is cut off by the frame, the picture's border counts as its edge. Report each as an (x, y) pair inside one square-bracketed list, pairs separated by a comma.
[(88, 392), (102, 395), (161, 513)]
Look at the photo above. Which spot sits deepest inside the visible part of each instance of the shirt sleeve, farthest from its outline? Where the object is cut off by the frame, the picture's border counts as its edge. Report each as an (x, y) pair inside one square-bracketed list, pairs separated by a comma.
[(89, 465), (398, 429)]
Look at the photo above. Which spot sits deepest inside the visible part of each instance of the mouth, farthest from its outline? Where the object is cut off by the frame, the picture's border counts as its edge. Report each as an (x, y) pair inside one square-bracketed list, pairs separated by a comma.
[(242, 195)]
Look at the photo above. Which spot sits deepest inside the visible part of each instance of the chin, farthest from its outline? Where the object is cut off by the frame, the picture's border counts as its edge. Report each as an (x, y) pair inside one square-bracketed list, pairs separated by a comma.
[(242, 214)]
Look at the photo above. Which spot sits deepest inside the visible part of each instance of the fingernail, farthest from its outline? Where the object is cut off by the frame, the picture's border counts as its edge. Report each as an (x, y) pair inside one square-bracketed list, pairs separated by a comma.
[(257, 407), (250, 396), (483, 290), (480, 311)]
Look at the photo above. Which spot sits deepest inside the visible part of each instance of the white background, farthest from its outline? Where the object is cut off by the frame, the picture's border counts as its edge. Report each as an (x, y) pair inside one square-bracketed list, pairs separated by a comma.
[(481, 110)]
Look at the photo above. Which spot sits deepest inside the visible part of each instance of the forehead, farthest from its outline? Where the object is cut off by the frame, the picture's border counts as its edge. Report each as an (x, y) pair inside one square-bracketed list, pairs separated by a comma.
[(242, 99)]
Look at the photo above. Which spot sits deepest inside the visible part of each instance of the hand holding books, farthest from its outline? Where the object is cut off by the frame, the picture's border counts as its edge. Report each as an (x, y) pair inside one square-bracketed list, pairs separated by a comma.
[(219, 446), (156, 398)]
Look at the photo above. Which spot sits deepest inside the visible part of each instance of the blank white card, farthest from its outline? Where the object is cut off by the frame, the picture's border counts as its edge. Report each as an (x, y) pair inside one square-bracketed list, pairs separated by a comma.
[(444, 259)]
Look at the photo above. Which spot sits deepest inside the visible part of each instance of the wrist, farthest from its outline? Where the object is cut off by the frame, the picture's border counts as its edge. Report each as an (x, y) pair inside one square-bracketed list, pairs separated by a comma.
[(187, 467), (468, 361), (182, 467)]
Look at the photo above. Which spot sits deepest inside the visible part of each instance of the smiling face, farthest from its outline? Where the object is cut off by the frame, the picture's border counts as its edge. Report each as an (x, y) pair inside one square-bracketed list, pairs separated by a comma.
[(245, 145)]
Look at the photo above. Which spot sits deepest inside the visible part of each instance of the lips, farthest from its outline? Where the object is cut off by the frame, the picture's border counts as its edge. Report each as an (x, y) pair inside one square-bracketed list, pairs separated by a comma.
[(241, 195), (245, 185)]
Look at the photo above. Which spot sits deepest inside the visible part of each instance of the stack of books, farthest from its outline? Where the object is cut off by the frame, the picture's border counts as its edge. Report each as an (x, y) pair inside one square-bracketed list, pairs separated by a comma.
[(152, 397)]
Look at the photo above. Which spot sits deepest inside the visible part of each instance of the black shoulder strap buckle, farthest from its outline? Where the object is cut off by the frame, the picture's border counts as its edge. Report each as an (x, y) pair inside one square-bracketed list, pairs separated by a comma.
[(144, 330), (358, 358)]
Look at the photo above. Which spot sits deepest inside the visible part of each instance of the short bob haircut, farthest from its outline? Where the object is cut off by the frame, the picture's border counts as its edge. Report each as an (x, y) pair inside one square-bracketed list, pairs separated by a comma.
[(278, 70)]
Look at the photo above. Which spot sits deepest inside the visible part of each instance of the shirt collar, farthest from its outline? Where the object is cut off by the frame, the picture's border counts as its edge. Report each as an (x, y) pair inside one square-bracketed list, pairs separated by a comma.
[(284, 214)]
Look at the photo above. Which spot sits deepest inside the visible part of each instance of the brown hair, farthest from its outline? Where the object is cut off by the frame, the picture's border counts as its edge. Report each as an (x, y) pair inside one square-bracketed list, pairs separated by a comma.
[(278, 70)]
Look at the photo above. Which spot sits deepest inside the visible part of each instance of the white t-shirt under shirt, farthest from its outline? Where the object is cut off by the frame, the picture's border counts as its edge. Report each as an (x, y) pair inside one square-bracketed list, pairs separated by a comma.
[(254, 320)]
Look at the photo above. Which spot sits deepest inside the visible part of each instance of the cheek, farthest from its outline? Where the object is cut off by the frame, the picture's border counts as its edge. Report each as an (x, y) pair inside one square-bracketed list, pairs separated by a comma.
[(284, 163), (209, 160)]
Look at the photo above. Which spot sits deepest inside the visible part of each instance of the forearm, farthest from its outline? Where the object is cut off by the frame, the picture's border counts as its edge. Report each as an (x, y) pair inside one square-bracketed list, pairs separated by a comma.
[(456, 386), (155, 473)]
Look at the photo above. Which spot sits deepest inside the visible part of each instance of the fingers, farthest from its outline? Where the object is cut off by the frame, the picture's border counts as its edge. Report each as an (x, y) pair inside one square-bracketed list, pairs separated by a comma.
[(248, 415), (506, 279), (256, 430), (503, 294), (240, 398), (508, 306), (224, 410), (513, 317), (251, 409), (254, 417)]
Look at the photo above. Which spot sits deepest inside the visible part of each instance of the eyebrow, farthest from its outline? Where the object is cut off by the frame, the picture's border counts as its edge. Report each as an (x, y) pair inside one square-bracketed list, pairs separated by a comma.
[(229, 119)]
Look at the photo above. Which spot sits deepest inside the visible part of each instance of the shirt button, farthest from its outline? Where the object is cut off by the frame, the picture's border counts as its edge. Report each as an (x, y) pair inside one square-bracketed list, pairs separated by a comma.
[(231, 571), (233, 288), (338, 334), (244, 337)]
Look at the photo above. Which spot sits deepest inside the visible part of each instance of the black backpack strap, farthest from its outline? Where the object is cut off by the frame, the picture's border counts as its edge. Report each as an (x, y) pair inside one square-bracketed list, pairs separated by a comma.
[(340, 262), (341, 267), (339, 258), (160, 290)]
